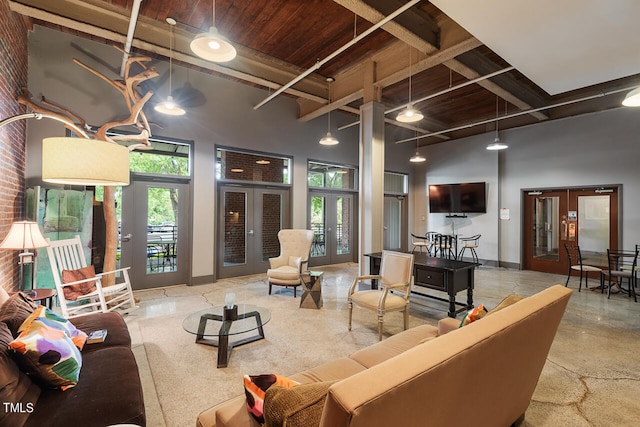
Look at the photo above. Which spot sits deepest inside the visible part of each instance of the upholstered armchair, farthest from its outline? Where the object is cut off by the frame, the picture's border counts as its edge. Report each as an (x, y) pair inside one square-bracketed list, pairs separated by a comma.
[(394, 288), (285, 270)]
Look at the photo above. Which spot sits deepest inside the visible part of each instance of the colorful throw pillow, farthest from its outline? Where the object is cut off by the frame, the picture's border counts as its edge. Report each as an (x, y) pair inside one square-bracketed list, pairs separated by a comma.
[(49, 318), (73, 292), (15, 311), (48, 354), (15, 385), (254, 388), (301, 405), (472, 315)]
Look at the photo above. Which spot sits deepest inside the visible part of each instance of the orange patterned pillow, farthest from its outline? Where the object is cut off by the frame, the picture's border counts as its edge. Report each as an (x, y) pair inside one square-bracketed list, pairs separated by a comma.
[(472, 315), (255, 387), (73, 292)]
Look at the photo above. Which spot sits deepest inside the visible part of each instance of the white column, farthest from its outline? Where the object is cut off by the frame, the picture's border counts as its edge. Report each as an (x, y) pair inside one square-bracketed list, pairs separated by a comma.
[(371, 201)]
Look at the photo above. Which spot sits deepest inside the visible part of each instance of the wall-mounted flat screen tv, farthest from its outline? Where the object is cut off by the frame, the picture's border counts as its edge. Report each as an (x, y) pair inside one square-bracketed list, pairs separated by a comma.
[(470, 197)]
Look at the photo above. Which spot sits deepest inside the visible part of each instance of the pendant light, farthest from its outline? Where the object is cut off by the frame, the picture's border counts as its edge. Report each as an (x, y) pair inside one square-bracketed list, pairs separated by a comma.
[(169, 106), (409, 114), (212, 46), (496, 144), (417, 158), (633, 98), (329, 139)]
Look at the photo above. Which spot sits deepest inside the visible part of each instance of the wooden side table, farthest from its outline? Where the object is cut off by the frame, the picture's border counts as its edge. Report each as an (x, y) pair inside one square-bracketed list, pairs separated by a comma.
[(311, 289), (45, 296)]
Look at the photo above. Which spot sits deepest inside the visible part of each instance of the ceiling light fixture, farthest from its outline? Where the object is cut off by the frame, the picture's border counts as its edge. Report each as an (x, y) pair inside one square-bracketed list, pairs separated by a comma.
[(263, 162), (633, 98), (417, 158), (169, 106), (496, 144), (409, 114), (211, 45), (329, 139)]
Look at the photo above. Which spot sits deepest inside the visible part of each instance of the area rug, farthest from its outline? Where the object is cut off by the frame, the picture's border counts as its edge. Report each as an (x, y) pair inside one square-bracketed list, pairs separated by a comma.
[(184, 373)]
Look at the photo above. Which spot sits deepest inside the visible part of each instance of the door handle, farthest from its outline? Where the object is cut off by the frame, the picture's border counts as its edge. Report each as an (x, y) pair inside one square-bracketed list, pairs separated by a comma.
[(250, 232), (126, 237)]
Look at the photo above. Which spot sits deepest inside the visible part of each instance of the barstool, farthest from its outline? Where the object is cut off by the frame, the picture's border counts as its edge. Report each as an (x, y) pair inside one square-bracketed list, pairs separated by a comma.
[(472, 244)]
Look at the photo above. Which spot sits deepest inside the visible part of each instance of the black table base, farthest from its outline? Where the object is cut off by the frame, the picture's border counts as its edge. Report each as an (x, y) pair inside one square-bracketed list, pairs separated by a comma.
[(224, 347)]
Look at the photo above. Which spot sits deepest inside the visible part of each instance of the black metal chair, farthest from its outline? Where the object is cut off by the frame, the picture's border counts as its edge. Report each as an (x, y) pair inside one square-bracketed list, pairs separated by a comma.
[(446, 246), (419, 242), (470, 243), (576, 264), (623, 265)]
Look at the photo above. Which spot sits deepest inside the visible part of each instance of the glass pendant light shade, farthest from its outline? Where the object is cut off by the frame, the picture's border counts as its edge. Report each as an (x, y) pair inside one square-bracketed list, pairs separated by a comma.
[(418, 158), (213, 47), (497, 145), (409, 115), (169, 106), (328, 139), (633, 98)]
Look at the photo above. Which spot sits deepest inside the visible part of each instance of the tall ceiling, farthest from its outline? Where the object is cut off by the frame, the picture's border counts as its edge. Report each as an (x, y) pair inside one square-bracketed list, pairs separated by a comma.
[(548, 59)]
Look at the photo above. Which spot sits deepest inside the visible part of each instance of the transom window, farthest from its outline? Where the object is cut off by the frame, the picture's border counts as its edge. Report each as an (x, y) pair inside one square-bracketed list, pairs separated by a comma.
[(325, 175), (249, 166)]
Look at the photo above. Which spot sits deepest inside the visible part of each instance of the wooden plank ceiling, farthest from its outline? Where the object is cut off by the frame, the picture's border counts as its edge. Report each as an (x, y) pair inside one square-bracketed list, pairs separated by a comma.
[(279, 39)]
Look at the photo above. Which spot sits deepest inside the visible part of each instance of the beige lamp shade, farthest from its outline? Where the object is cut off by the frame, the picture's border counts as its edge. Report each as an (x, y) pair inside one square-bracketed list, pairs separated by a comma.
[(80, 161), (24, 235)]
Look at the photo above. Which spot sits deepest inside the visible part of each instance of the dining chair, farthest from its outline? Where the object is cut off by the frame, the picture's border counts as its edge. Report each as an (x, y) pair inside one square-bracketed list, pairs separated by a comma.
[(394, 289), (623, 265), (419, 242), (472, 244), (575, 264), (445, 246)]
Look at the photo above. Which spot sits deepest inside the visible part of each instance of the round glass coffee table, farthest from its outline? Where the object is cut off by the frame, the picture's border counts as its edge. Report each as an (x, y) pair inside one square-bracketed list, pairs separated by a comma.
[(214, 325)]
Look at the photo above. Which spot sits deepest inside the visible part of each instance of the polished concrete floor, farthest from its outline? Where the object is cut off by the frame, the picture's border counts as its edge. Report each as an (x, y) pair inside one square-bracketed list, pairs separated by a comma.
[(591, 377)]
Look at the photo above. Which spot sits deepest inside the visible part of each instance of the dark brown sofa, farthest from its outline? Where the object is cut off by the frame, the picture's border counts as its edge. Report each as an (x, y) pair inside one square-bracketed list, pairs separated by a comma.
[(108, 392)]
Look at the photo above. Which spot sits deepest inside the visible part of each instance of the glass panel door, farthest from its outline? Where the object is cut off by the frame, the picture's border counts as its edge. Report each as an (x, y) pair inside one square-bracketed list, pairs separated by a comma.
[(331, 219), (395, 224), (154, 233), (594, 228), (546, 211), (248, 225)]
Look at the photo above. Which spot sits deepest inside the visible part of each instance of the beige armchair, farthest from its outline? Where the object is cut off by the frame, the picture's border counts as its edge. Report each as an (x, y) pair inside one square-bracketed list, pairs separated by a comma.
[(394, 288), (285, 270)]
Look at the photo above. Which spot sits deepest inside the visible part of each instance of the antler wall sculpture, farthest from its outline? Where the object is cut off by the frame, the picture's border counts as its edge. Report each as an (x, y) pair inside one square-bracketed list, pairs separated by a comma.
[(129, 89)]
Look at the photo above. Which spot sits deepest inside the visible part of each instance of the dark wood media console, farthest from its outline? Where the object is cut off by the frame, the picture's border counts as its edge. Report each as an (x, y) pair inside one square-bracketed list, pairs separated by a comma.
[(440, 274)]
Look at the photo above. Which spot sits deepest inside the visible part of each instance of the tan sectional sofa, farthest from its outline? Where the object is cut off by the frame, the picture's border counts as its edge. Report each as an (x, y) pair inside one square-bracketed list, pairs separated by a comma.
[(482, 374)]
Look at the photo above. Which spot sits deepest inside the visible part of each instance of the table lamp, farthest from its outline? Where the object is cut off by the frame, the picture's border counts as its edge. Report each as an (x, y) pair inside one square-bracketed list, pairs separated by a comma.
[(24, 235)]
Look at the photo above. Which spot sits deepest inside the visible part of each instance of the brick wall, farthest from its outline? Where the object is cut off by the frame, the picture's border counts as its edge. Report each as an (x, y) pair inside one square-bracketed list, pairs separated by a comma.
[(13, 75)]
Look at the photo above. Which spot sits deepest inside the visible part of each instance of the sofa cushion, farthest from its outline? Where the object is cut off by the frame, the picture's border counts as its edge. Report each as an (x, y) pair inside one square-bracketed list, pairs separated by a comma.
[(73, 292), (16, 310), (335, 369), (393, 345), (15, 386), (506, 302), (47, 353), (285, 272), (117, 332), (108, 392), (300, 405)]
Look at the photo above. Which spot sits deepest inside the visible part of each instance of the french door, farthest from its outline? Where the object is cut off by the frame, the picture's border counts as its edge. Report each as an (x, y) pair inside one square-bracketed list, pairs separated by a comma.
[(332, 221), (584, 217), (395, 223), (248, 223), (154, 233)]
